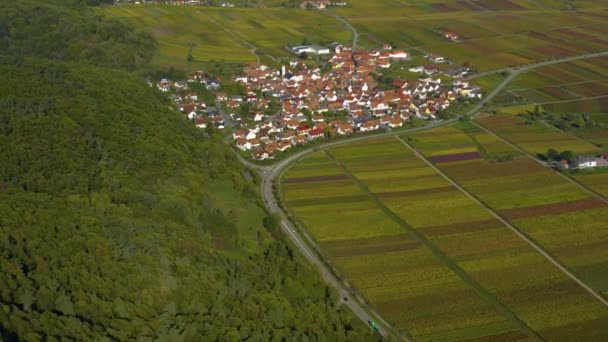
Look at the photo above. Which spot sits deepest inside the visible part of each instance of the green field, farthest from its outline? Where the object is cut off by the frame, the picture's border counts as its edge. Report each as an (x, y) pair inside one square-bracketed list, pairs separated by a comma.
[(488, 264), (491, 31), (534, 137), (575, 86), (228, 35), (563, 218)]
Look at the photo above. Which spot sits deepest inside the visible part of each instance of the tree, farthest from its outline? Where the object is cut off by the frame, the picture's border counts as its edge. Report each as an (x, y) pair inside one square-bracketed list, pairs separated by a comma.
[(552, 154), (566, 155), (272, 222)]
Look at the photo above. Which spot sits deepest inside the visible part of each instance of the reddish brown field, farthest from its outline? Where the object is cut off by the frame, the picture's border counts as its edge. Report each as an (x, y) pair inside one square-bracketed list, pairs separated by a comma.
[(465, 227), (447, 158), (554, 209), (315, 179), (554, 51), (499, 5), (591, 89), (414, 192), (443, 7)]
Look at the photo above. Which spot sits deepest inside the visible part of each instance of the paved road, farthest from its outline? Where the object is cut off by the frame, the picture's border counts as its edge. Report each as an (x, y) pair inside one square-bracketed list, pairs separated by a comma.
[(352, 28)]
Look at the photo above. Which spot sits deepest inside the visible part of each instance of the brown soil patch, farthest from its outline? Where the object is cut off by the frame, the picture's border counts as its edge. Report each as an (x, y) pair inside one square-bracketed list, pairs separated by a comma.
[(466, 227), (443, 7), (315, 179), (406, 193), (447, 158), (554, 209)]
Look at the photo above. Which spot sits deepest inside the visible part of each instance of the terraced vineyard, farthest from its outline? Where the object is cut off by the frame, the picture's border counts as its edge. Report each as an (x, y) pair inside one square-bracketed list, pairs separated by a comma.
[(437, 264)]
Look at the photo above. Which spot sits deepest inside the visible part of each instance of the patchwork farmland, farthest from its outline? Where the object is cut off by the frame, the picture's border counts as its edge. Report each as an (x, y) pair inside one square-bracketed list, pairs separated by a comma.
[(564, 87), (535, 138), (435, 263), (493, 34), (228, 35)]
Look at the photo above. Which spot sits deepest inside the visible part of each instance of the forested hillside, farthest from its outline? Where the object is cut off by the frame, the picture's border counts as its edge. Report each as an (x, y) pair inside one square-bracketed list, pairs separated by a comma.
[(119, 219)]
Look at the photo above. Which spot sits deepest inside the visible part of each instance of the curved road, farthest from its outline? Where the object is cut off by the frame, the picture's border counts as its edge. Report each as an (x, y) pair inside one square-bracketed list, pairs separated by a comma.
[(540, 64), (271, 172), (352, 28)]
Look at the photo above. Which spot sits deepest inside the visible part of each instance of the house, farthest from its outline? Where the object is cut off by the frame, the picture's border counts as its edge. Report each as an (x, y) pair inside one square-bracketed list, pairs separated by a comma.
[(436, 59), (232, 104), (318, 118), (200, 123), (583, 162), (315, 134), (344, 129), (395, 122), (243, 144), (238, 134), (221, 97), (384, 63), (258, 117), (321, 125), (310, 49), (400, 54), (371, 125), (211, 85), (429, 70), (418, 69), (287, 136), (451, 36), (283, 145), (303, 129), (299, 140), (260, 155), (387, 47), (181, 85), (250, 135)]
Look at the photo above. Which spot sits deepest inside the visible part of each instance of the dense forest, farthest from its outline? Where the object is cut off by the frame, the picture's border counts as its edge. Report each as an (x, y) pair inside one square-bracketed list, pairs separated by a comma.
[(111, 226)]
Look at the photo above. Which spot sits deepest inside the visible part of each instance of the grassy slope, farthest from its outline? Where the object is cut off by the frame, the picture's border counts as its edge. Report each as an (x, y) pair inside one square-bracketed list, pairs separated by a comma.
[(179, 29)]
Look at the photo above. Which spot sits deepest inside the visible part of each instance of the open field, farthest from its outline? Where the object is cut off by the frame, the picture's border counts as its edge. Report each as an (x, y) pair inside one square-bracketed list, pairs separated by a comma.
[(215, 34), (534, 137), (493, 34), (560, 216), (389, 267), (435, 216), (565, 87)]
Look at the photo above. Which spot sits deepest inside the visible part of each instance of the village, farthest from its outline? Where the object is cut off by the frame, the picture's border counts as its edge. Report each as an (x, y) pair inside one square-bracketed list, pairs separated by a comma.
[(313, 103)]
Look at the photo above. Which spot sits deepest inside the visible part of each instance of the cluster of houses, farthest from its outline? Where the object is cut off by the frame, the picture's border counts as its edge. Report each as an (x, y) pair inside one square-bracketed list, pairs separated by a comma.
[(451, 36), (337, 101), (188, 102)]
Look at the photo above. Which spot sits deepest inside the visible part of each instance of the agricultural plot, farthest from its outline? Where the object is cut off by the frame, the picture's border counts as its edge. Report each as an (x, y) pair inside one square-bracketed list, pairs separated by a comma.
[(489, 40), (271, 29), (534, 137), (598, 181), (202, 38), (390, 268), (563, 218), (491, 254), (562, 83), (214, 34)]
